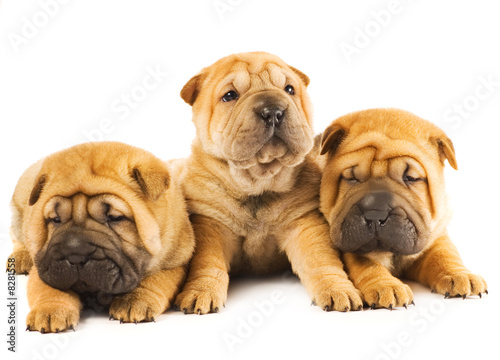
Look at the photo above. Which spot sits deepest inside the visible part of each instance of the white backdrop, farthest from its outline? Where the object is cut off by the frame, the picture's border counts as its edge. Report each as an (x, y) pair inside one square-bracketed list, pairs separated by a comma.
[(73, 71)]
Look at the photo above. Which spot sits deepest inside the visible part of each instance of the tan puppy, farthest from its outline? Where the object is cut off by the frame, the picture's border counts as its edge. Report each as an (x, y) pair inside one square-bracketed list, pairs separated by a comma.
[(383, 194), (104, 219), (250, 187)]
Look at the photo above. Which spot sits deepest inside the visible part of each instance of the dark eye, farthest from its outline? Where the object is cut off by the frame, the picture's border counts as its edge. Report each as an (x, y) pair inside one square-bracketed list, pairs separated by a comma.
[(112, 218), (289, 90), (351, 181), (408, 178), (230, 96), (348, 176), (56, 220)]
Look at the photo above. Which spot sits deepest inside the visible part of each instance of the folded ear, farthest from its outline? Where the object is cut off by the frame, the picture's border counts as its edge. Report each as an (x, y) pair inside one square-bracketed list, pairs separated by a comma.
[(190, 91), (37, 189), (331, 138), (302, 76), (153, 180), (446, 150)]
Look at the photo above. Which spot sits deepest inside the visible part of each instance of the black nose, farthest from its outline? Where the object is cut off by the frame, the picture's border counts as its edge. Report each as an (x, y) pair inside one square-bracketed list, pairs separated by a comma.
[(76, 249), (272, 115), (375, 207)]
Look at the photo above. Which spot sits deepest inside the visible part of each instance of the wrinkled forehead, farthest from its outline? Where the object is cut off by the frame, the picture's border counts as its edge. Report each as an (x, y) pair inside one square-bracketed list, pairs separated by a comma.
[(253, 74), (82, 204), (386, 145), (379, 147)]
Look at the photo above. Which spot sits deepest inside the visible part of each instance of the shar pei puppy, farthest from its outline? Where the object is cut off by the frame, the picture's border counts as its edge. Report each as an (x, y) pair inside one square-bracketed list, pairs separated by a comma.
[(383, 193), (252, 186), (99, 220)]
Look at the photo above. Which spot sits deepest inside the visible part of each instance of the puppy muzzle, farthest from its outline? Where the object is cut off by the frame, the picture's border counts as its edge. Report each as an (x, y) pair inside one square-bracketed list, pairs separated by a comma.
[(87, 261), (375, 223)]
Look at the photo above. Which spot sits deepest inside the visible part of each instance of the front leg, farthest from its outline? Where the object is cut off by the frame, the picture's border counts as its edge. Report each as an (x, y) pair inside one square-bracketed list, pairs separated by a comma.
[(318, 265), (152, 297), (441, 268), (378, 286), (22, 259), (208, 279), (52, 310)]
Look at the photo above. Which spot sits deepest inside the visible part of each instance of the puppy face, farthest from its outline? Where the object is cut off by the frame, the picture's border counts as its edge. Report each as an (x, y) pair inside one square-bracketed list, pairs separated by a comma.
[(253, 111), (382, 187), (100, 216), (92, 245)]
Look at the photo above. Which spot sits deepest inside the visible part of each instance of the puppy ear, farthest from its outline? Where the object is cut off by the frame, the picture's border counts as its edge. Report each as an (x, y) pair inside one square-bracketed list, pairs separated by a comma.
[(190, 91), (37, 189), (446, 150), (331, 138), (153, 182), (302, 76)]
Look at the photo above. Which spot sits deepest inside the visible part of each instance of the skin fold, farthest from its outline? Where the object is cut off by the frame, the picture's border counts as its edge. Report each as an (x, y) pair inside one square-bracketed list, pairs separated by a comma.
[(382, 174), (251, 184), (100, 219)]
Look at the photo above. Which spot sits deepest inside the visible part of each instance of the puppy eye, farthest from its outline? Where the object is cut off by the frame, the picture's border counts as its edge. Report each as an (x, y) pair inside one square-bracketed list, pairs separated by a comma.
[(230, 96), (112, 218), (348, 176), (289, 90), (350, 180), (408, 179), (56, 220)]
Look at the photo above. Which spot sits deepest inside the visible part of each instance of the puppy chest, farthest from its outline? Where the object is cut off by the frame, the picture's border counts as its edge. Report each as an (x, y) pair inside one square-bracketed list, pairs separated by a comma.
[(258, 250), (259, 253)]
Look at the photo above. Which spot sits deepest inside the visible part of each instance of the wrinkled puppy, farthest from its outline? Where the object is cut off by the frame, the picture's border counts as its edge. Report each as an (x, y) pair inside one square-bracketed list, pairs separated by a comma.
[(383, 194), (104, 220), (251, 187)]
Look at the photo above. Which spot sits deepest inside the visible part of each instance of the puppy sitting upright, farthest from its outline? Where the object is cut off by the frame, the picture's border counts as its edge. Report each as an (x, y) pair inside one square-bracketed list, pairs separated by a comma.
[(251, 189), (383, 194), (104, 220)]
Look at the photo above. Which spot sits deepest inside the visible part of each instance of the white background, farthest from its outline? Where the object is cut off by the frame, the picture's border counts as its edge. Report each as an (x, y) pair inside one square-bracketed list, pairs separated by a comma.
[(65, 69)]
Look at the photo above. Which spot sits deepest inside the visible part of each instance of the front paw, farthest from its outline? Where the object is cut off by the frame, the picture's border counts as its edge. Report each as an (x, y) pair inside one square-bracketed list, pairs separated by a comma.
[(337, 294), (52, 318), (201, 297), (21, 263), (460, 284), (388, 295), (137, 306)]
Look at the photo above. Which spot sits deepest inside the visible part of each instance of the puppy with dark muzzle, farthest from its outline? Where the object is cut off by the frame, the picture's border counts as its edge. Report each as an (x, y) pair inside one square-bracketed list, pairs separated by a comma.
[(382, 192), (252, 187), (105, 220)]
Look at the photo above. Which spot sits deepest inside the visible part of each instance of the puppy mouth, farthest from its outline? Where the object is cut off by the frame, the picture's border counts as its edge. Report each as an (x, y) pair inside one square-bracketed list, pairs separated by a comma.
[(265, 127), (376, 223), (73, 262), (274, 152), (397, 235), (95, 275)]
